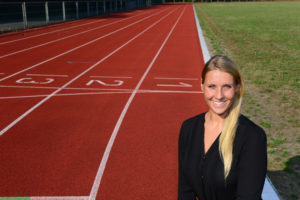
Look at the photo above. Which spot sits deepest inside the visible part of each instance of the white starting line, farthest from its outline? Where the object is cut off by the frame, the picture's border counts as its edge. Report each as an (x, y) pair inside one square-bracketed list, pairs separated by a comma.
[(61, 198), (52, 75), (104, 81), (168, 78), (124, 91), (110, 77)]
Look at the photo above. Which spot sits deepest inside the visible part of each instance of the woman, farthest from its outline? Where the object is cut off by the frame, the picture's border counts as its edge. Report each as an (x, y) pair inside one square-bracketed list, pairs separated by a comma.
[(222, 154)]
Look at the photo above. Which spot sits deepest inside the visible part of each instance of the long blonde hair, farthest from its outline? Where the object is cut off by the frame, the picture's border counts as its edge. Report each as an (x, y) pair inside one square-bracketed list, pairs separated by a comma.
[(227, 136)]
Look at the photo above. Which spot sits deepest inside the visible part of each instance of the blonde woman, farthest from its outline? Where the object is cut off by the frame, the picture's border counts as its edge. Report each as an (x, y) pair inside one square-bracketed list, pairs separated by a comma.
[(222, 154)]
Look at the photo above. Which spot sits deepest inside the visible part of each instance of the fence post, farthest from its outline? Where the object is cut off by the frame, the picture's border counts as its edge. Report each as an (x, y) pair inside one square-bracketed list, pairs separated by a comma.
[(104, 9), (63, 10), (47, 12), (110, 6), (96, 8), (77, 12), (24, 15), (88, 8)]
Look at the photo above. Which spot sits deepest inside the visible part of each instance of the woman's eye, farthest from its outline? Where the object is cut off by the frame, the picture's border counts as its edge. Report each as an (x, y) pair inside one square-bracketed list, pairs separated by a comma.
[(228, 86), (211, 86)]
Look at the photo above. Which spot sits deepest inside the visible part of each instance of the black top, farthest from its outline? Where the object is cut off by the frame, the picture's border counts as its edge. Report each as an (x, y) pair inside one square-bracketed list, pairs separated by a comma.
[(202, 175)]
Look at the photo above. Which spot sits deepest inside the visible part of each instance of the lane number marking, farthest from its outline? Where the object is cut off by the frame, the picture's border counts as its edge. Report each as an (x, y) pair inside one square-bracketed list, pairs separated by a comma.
[(180, 84), (31, 81), (117, 83)]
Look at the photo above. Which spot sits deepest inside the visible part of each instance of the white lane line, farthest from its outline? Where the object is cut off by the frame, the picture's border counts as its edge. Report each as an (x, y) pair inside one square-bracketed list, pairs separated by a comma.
[(83, 45), (47, 33), (110, 77), (80, 62), (74, 79), (69, 36), (61, 198), (52, 75), (125, 91), (101, 169), (162, 78)]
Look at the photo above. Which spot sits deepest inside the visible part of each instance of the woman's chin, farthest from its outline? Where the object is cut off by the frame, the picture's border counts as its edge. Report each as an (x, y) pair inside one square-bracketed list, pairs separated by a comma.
[(219, 111)]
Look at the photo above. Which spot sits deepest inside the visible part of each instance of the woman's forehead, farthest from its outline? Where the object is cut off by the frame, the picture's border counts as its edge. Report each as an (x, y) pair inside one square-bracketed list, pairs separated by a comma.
[(219, 76)]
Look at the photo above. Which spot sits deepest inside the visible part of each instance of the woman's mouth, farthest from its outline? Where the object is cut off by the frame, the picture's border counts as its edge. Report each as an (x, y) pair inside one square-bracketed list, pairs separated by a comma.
[(219, 103)]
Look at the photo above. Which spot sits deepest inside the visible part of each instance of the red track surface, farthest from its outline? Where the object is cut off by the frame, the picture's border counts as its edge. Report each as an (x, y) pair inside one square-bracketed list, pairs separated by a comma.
[(139, 80)]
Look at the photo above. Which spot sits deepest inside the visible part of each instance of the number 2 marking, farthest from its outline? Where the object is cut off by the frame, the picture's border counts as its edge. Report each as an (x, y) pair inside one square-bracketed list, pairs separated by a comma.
[(117, 83)]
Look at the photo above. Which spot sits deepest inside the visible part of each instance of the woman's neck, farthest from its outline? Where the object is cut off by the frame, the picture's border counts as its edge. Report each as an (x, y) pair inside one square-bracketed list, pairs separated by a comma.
[(214, 119)]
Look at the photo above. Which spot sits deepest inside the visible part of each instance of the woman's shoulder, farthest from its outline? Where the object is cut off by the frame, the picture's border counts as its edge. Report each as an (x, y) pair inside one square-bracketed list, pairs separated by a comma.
[(250, 128), (193, 120), (190, 129), (191, 125)]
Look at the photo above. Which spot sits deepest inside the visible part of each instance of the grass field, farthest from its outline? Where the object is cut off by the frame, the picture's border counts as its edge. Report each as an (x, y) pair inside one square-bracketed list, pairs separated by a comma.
[(263, 39)]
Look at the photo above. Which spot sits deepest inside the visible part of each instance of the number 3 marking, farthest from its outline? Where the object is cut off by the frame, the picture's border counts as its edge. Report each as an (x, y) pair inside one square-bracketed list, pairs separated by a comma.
[(30, 81)]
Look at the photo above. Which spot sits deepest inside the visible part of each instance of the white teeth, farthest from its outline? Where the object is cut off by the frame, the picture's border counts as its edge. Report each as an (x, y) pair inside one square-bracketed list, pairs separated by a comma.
[(219, 103)]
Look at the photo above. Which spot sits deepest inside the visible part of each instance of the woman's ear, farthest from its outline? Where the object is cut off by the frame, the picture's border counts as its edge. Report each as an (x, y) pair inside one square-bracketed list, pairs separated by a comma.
[(202, 86)]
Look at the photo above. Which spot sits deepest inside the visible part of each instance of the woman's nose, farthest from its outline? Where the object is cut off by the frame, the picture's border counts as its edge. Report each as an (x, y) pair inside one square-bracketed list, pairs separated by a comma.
[(219, 93)]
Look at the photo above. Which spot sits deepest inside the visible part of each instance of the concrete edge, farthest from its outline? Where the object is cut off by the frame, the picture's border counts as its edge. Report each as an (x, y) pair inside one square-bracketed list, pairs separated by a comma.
[(206, 55)]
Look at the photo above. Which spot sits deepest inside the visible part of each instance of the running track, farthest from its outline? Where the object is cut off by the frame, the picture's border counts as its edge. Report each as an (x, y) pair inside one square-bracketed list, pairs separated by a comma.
[(92, 109)]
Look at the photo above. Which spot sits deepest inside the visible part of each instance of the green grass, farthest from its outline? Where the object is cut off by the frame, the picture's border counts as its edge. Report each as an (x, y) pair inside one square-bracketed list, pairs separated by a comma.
[(276, 142), (265, 124), (271, 152), (263, 36)]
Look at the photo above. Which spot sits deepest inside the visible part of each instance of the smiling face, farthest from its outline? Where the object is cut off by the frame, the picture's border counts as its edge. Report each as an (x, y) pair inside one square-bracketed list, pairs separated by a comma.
[(219, 91)]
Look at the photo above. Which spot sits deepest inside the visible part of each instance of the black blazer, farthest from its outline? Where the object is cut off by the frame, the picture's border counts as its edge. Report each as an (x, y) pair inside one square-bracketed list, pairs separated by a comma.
[(202, 175)]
